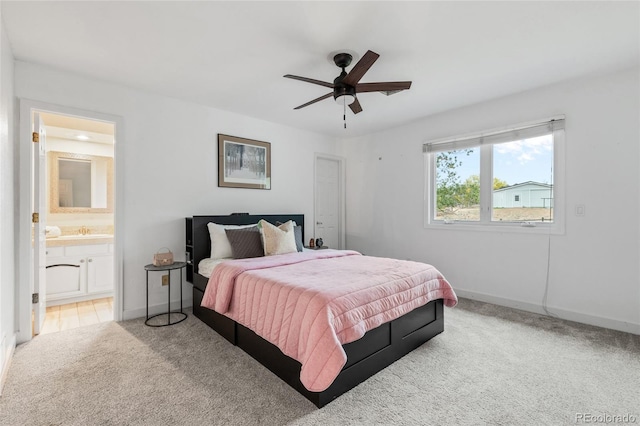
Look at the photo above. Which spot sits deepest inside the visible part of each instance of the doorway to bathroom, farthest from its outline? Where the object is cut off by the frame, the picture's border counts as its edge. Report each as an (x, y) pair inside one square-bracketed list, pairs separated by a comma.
[(79, 227), (72, 257)]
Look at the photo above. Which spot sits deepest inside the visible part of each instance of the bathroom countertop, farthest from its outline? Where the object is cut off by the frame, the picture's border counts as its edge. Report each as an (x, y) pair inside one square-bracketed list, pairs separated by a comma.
[(79, 240)]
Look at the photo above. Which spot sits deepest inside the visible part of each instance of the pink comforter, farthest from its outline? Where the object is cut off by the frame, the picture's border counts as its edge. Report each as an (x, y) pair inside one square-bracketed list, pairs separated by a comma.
[(309, 304)]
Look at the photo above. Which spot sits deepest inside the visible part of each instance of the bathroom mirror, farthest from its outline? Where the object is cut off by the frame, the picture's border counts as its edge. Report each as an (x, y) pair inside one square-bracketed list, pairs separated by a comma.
[(80, 183)]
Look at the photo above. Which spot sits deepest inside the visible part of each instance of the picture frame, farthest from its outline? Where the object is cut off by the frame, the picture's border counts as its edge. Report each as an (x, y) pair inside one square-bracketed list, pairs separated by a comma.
[(243, 163)]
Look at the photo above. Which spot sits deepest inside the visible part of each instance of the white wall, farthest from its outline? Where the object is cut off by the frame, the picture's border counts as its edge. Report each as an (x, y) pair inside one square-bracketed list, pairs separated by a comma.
[(593, 275), (168, 162), (7, 205)]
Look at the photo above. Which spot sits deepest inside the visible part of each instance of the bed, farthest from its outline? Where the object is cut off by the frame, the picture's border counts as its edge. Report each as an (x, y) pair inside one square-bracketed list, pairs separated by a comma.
[(375, 350)]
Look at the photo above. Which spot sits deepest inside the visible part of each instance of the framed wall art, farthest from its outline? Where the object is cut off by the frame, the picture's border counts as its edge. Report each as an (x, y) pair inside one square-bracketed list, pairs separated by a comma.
[(243, 163)]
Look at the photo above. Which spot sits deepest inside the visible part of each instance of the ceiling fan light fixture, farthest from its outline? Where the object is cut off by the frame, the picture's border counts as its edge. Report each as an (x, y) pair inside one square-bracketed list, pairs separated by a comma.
[(345, 99), (347, 85)]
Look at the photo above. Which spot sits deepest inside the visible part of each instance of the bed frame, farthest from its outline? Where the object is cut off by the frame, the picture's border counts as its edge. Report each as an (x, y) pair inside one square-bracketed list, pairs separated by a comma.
[(377, 349)]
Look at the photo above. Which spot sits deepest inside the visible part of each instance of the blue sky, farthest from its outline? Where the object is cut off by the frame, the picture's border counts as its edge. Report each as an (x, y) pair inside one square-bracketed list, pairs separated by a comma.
[(515, 162)]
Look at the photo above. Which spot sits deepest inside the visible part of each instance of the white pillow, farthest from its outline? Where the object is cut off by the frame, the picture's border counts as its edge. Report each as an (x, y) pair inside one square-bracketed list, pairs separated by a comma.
[(220, 246), (278, 239)]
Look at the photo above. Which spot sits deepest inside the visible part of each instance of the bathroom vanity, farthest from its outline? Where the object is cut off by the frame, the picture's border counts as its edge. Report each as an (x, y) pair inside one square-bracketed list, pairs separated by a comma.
[(79, 267)]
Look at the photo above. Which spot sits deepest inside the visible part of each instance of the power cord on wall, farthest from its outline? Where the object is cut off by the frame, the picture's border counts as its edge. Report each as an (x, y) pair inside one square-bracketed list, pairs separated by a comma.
[(546, 284)]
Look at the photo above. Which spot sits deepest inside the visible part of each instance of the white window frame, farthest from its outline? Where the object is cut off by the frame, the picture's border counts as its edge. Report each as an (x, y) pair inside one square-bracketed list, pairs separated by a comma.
[(485, 141)]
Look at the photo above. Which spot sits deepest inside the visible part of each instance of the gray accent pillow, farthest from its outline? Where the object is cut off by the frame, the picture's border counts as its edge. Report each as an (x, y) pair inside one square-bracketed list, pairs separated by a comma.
[(245, 242), (297, 233)]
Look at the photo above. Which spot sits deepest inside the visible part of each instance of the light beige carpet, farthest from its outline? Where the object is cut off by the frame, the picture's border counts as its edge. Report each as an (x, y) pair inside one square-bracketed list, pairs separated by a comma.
[(492, 365)]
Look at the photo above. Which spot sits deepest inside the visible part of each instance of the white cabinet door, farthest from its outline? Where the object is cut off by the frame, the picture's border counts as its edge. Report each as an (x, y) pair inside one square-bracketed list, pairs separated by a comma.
[(63, 278), (99, 273)]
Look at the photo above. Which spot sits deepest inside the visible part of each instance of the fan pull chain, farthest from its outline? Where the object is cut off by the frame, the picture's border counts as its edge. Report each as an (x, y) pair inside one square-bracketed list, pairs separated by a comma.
[(344, 112)]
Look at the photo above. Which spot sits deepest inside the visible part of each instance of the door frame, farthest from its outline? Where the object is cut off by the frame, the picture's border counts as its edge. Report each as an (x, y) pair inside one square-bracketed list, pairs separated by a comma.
[(24, 277), (341, 195), (38, 197)]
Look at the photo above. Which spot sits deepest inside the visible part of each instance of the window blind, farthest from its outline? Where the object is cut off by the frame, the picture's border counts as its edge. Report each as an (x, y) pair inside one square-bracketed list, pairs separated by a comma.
[(490, 138)]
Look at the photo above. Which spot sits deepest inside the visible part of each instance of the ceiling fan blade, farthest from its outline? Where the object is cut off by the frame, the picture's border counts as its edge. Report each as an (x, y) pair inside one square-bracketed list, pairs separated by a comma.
[(361, 68), (328, 95), (355, 106), (391, 86), (310, 80)]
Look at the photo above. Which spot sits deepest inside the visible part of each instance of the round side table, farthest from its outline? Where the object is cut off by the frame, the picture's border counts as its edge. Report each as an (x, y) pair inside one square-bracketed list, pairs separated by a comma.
[(153, 268)]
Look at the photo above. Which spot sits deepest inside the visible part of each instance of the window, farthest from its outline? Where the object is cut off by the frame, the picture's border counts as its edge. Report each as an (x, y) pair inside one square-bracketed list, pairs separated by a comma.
[(499, 178)]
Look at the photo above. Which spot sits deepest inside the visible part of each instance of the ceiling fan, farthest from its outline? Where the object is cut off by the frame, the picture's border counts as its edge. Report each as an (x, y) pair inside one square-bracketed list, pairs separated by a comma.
[(346, 86)]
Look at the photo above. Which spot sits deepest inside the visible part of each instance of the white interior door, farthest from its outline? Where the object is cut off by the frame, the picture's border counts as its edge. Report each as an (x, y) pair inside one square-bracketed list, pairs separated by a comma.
[(328, 217), (39, 220)]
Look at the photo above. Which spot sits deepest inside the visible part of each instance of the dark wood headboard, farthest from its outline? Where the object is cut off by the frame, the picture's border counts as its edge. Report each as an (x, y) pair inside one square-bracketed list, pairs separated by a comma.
[(198, 243)]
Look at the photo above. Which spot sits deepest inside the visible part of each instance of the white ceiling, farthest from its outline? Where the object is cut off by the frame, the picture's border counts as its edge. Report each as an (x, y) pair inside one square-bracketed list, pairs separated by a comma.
[(232, 55)]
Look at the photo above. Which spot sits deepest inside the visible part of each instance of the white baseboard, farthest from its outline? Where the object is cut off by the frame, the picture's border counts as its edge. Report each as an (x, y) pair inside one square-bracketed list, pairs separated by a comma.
[(156, 309), (565, 314), (8, 356)]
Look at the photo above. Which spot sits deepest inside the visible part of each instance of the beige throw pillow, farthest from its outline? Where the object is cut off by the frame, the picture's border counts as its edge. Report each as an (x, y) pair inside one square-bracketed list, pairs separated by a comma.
[(278, 239)]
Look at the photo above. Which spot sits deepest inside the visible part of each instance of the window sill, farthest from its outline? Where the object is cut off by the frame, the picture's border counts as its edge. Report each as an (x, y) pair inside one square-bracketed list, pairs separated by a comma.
[(546, 229)]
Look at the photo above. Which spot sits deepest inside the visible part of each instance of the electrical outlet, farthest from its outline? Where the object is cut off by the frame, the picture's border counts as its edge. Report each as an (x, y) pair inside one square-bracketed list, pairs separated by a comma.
[(165, 280)]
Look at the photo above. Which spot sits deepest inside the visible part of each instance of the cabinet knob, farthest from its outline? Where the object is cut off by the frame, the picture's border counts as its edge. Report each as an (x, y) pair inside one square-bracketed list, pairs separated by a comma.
[(89, 260), (81, 260)]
